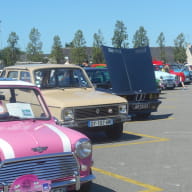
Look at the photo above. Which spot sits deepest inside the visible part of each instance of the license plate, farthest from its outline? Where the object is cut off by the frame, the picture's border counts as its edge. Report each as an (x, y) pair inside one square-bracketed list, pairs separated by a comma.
[(170, 85), (103, 122), (141, 106)]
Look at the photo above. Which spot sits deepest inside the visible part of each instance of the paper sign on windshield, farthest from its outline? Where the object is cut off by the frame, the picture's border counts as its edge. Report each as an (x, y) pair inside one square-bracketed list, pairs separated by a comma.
[(22, 110)]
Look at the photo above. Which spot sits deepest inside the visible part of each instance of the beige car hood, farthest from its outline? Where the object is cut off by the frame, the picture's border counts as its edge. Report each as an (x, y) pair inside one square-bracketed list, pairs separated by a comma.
[(79, 97)]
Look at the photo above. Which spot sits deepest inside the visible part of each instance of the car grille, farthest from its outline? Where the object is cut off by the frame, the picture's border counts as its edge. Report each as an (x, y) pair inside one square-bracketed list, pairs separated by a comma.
[(47, 167), (96, 111), (170, 80), (142, 97)]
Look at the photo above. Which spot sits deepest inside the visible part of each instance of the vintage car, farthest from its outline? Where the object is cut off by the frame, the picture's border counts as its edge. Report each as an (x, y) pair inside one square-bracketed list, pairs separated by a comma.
[(124, 79), (172, 69), (166, 80), (34, 149), (72, 98)]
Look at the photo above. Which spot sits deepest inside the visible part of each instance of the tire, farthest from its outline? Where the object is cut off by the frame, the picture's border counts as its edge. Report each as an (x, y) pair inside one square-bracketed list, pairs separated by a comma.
[(86, 187), (115, 131)]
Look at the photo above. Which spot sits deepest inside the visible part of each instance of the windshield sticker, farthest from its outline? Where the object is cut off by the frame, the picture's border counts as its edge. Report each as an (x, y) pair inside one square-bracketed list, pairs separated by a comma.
[(22, 110)]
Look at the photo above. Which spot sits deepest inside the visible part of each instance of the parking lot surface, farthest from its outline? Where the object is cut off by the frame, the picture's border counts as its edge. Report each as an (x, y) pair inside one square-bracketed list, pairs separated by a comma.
[(153, 154)]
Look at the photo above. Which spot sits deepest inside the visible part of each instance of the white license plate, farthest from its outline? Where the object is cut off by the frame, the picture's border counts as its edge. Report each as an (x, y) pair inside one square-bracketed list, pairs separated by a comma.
[(141, 106), (102, 122)]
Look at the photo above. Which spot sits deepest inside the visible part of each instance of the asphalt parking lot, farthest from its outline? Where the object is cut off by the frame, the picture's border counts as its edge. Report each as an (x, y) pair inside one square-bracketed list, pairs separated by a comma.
[(152, 155)]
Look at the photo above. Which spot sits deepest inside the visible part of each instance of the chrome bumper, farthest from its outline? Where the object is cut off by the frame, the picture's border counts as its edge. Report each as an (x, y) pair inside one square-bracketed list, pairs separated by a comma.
[(77, 181)]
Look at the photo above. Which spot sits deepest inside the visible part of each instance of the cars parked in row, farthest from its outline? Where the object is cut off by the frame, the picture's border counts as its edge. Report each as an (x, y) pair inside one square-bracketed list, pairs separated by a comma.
[(72, 98), (36, 154)]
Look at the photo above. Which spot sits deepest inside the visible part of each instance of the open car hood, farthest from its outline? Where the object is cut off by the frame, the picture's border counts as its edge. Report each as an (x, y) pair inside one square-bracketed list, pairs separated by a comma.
[(131, 70)]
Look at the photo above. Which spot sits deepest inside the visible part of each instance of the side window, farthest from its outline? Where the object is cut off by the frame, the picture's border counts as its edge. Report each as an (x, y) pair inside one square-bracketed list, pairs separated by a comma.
[(13, 74), (25, 76), (2, 74)]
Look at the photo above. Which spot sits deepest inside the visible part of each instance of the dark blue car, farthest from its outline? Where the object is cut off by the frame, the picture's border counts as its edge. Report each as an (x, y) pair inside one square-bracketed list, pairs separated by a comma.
[(131, 77)]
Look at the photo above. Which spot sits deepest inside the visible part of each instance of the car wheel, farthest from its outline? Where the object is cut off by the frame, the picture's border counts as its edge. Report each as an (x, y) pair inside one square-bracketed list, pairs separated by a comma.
[(115, 131), (86, 187)]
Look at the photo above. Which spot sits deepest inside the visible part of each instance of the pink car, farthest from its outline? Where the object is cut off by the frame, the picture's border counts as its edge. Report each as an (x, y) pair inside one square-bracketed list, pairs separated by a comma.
[(35, 153)]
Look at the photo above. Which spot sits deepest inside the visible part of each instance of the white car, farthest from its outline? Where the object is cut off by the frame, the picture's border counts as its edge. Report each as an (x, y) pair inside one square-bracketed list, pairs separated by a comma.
[(167, 80)]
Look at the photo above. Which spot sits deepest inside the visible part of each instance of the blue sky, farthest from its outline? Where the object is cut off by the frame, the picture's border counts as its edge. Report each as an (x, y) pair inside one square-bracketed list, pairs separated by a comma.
[(65, 17)]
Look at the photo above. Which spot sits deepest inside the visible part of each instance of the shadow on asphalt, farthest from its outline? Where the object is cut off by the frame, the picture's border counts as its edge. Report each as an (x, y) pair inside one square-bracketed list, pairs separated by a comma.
[(100, 138), (154, 117), (163, 116), (98, 188)]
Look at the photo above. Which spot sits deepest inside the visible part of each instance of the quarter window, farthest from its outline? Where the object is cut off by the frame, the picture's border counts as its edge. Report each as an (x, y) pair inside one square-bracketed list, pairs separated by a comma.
[(13, 74), (25, 76)]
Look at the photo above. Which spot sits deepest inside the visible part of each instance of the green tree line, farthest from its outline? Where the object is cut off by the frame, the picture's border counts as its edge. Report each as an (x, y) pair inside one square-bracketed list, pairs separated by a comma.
[(10, 54)]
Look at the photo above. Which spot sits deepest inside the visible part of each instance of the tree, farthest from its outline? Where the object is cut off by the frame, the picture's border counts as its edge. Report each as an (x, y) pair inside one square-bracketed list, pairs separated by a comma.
[(11, 53), (69, 45), (57, 50), (97, 43), (78, 52), (140, 38), (180, 49), (120, 36), (13, 39), (161, 42), (34, 47)]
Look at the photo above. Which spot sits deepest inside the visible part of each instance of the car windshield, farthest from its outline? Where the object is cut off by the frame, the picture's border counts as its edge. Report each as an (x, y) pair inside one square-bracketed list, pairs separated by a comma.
[(21, 103), (98, 76), (61, 78)]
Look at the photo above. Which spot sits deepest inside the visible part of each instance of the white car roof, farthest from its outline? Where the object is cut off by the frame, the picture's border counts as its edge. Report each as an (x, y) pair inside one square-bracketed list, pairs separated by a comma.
[(7, 81)]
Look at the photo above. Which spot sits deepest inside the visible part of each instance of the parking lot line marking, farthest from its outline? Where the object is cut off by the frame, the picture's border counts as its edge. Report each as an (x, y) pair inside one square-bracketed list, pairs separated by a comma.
[(144, 135), (150, 188), (155, 139)]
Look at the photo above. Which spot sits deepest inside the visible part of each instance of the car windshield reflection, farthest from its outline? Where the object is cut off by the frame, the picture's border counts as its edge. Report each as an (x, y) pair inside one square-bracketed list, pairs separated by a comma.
[(61, 78), (20, 104)]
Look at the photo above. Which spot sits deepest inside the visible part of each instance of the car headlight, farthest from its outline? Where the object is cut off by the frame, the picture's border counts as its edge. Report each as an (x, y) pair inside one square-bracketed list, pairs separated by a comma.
[(68, 115), (83, 148), (123, 108)]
